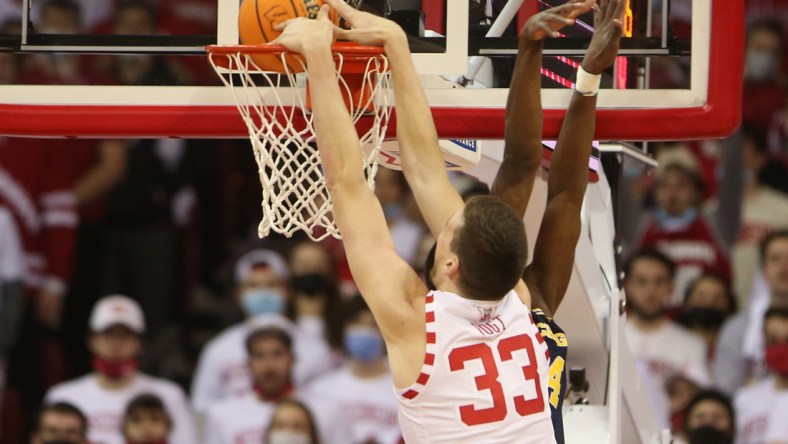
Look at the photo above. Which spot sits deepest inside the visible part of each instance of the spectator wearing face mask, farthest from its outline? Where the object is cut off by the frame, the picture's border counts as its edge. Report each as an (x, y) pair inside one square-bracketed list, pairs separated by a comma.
[(764, 88), (262, 292), (116, 329), (292, 423), (356, 404), (764, 209), (670, 359), (760, 407), (708, 302), (60, 423), (244, 419), (678, 229), (740, 353), (314, 290), (147, 421), (709, 419)]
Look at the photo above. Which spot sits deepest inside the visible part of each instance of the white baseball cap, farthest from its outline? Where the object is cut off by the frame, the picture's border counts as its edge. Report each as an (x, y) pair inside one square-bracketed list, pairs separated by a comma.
[(261, 258), (117, 310)]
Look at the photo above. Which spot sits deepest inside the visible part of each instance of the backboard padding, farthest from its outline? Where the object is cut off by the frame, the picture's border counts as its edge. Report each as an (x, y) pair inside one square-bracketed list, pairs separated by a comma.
[(710, 109)]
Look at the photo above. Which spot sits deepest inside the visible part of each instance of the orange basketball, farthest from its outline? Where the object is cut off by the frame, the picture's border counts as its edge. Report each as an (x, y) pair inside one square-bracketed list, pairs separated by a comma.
[(256, 21)]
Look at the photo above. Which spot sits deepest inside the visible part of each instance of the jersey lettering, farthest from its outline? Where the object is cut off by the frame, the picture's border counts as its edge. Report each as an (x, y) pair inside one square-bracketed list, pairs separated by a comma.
[(547, 332), (555, 381), (469, 414)]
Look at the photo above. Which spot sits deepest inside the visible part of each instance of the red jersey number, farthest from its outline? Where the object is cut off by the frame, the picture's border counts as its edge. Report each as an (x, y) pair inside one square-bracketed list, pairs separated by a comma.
[(469, 414)]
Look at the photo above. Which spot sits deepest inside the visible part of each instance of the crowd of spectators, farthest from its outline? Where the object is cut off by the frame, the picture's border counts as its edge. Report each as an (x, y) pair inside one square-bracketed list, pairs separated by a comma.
[(137, 305), (706, 270)]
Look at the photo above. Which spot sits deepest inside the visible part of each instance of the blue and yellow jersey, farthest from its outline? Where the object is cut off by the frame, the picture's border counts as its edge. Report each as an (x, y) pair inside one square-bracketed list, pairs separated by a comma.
[(557, 344)]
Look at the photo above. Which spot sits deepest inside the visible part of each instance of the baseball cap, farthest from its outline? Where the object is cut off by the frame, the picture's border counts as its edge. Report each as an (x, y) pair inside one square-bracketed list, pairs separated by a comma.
[(117, 310), (261, 258)]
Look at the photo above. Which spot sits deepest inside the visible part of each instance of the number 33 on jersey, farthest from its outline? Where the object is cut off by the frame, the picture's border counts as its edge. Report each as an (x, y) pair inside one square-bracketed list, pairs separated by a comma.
[(484, 377)]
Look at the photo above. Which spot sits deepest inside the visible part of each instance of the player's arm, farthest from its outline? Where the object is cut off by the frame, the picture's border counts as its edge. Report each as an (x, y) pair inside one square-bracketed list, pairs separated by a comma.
[(522, 153), (380, 274), (422, 161), (548, 275)]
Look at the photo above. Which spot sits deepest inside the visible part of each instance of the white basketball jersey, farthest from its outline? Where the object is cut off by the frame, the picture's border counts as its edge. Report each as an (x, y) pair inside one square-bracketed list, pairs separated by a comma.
[(484, 377)]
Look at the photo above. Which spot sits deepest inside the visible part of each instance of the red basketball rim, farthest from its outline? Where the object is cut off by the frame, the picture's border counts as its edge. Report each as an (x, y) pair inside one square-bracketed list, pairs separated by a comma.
[(355, 57)]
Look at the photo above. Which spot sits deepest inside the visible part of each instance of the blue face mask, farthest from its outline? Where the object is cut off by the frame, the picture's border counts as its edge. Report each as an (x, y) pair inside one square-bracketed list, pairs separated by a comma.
[(677, 222), (263, 301), (364, 344)]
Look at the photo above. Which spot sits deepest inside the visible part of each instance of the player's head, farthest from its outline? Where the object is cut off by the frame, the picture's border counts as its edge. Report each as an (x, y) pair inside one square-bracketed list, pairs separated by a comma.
[(774, 261), (482, 250), (679, 188), (116, 328), (261, 282), (648, 282), (146, 420), (60, 422), (270, 351), (292, 423), (360, 335), (775, 329), (709, 418)]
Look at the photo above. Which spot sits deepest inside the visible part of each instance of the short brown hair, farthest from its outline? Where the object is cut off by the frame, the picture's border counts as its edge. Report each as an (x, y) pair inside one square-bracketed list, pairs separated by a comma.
[(269, 332), (146, 402), (491, 247), (66, 409), (767, 241)]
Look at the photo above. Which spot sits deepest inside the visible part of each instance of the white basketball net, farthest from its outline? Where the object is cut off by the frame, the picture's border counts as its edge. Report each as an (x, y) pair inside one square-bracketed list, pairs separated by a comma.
[(282, 135)]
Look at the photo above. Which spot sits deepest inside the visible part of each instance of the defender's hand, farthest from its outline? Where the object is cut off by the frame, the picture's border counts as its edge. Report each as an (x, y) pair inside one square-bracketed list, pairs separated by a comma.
[(366, 29), (608, 29), (302, 34), (550, 21)]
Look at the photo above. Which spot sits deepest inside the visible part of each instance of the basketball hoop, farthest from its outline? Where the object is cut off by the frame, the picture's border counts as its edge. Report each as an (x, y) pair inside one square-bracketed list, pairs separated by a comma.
[(277, 111)]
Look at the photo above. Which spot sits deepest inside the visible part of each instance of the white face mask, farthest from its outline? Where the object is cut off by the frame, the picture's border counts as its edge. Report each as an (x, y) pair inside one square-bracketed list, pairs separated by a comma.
[(760, 66), (288, 437)]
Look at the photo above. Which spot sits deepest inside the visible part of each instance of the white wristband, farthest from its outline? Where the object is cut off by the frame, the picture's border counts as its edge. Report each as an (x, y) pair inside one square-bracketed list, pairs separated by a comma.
[(587, 84)]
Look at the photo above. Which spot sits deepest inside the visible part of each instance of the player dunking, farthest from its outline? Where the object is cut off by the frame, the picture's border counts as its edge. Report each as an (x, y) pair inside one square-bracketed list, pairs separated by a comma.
[(548, 274), (547, 277), (469, 362)]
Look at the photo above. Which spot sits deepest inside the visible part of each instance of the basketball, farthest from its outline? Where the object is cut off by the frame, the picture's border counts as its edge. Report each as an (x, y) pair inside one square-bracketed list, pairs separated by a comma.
[(256, 25)]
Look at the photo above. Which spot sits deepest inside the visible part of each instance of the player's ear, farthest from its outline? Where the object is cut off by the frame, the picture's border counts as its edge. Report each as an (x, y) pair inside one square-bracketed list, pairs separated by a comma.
[(451, 266)]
